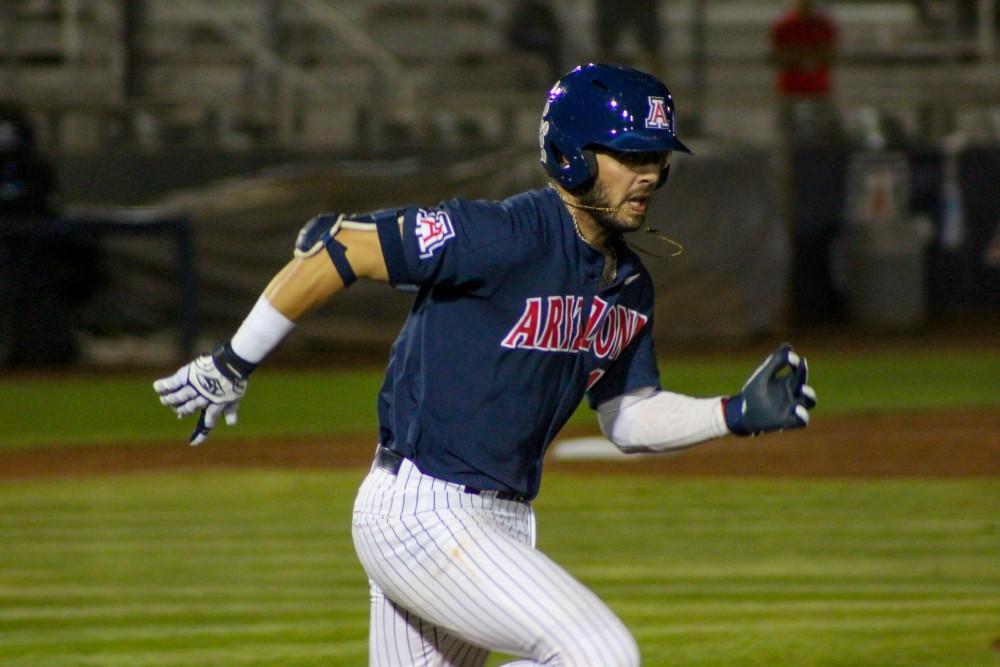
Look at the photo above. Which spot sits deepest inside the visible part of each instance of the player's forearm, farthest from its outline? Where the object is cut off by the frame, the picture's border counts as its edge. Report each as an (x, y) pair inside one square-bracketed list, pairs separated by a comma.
[(659, 421), (298, 288), (302, 285)]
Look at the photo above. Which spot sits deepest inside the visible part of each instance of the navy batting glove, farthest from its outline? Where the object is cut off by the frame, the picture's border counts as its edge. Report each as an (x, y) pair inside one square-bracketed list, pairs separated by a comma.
[(775, 398)]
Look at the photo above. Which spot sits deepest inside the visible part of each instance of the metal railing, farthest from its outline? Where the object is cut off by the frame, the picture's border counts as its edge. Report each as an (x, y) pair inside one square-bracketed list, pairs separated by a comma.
[(90, 223)]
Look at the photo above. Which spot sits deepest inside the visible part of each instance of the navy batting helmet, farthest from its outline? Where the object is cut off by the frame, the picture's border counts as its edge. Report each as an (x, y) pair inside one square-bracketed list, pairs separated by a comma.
[(604, 106)]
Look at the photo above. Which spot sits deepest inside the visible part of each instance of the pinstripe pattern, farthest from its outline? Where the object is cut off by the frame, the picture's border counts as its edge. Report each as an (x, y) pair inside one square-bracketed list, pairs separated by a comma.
[(456, 575)]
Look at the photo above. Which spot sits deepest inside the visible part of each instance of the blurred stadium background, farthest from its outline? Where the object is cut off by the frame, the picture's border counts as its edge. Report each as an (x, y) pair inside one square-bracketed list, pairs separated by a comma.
[(245, 118), (191, 139)]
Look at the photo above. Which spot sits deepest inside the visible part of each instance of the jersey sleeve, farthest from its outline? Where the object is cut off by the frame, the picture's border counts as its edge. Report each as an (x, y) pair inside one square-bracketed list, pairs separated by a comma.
[(445, 244), (634, 369)]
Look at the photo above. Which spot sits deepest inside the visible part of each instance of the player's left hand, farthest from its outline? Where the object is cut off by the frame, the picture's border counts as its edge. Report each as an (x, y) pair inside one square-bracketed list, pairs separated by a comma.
[(775, 398), (202, 385)]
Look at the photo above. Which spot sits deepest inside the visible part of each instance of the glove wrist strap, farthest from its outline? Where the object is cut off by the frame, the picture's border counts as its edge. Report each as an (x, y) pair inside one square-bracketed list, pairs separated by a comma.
[(732, 409), (231, 365)]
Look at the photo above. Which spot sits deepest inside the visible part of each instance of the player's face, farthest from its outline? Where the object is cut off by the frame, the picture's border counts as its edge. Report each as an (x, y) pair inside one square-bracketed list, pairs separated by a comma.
[(625, 183)]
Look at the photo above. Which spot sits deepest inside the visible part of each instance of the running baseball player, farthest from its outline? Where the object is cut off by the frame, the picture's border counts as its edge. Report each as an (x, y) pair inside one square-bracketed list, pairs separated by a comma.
[(523, 307)]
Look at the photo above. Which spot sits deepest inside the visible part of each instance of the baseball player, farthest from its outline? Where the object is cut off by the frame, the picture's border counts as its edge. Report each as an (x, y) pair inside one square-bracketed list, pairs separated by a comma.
[(523, 307)]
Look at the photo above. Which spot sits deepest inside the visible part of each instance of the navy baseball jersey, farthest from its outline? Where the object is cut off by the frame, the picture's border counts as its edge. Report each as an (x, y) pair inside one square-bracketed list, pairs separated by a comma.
[(509, 329)]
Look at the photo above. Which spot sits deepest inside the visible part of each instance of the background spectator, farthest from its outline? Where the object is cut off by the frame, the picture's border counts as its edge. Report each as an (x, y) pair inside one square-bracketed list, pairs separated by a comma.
[(533, 27), (27, 183), (45, 275), (803, 48), (615, 17)]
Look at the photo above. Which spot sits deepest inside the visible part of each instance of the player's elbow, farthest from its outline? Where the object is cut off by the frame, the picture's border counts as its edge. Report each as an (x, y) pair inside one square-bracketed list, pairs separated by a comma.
[(617, 431)]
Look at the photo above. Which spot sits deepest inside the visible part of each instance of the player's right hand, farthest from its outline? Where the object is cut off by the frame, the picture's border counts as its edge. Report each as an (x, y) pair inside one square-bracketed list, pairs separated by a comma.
[(202, 385)]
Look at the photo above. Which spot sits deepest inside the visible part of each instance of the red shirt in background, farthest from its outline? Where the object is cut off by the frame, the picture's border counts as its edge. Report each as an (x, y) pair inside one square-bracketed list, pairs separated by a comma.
[(814, 37)]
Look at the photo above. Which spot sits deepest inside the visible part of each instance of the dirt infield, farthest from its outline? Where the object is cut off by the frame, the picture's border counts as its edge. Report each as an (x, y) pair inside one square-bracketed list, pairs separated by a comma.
[(927, 443)]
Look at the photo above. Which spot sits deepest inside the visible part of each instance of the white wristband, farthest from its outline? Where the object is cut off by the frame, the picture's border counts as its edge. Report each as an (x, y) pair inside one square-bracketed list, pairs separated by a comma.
[(260, 332)]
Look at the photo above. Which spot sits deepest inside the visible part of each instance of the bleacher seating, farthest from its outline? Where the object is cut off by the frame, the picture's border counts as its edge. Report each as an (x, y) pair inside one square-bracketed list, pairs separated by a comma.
[(215, 73)]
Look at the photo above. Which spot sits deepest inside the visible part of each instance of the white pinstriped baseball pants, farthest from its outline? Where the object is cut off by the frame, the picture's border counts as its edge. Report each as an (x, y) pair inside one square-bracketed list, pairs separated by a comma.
[(454, 576)]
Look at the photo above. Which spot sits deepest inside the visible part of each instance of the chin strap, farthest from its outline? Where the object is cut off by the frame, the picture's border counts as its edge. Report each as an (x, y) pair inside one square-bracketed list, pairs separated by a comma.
[(677, 247)]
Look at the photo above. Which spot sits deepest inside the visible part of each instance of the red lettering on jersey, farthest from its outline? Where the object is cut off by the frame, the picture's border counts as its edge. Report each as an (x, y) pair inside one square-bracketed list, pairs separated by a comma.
[(597, 310), (551, 338), (594, 376), (621, 327), (525, 332), (605, 339), (630, 323), (559, 327), (574, 315)]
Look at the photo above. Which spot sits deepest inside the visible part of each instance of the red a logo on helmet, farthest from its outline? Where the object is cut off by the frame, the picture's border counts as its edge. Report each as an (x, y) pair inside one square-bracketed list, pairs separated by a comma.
[(657, 117)]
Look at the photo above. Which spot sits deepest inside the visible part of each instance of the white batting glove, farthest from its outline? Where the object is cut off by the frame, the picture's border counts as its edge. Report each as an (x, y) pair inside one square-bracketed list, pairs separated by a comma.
[(208, 384)]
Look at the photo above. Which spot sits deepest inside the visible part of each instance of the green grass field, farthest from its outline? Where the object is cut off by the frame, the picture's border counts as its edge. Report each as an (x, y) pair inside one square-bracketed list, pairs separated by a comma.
[(66, 411), (257, 568)]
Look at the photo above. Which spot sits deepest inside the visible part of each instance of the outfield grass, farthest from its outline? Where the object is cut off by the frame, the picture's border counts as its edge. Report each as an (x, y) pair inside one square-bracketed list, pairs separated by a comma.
[(65, 411), (256, 568)]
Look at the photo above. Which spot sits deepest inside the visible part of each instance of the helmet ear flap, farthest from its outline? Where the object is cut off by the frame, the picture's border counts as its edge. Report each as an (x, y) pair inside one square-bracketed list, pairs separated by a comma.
[(590, 163), (664, 173), (591, 159), (572, 167)]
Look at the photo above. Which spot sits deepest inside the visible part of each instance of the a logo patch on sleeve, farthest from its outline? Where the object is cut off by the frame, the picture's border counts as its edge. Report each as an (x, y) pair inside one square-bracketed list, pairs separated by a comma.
[(433, 230)]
